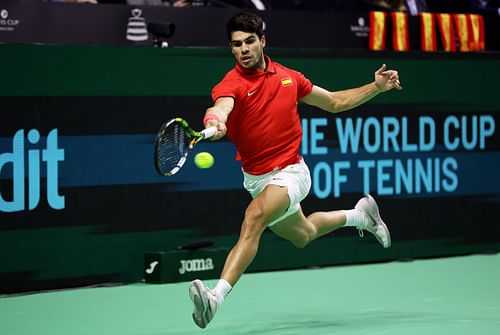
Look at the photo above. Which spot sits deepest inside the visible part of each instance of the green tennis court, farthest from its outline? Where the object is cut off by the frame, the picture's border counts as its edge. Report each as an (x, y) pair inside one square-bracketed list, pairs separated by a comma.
[(456, 295)]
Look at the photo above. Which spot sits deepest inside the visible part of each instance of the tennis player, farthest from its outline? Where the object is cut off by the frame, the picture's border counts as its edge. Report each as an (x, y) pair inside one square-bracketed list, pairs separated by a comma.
[(255, 105)]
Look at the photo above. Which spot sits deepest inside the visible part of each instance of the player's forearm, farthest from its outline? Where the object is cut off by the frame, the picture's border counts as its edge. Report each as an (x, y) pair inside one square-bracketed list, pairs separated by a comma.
[(216, 114), (351, 98), (219, 112)]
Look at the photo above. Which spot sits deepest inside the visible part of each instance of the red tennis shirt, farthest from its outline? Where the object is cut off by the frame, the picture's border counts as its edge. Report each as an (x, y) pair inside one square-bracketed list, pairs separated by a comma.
[(264, 123)]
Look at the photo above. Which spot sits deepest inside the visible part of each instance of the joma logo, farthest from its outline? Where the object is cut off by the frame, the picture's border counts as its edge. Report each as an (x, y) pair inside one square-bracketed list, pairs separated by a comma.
[(192, 265)]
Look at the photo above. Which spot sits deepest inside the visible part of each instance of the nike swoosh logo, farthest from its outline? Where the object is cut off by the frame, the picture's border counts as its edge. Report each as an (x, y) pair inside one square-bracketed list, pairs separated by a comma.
[(152, 267), (251, 93)]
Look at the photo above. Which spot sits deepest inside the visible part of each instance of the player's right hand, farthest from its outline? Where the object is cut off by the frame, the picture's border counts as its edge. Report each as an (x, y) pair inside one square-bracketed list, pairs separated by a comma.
[(221, 129)]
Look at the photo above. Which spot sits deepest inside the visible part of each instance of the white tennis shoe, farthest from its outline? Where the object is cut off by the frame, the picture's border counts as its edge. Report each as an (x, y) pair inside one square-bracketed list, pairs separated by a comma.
[(372, 221), (205, 303)]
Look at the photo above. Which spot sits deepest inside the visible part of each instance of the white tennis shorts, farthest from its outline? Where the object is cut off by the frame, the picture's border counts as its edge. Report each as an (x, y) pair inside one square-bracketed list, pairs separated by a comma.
[(296, 178)]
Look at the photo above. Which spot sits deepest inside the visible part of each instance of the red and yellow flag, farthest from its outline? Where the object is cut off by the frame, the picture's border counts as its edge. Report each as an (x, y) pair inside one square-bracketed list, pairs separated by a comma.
[(286, 81), (446, 31), (400, 33), (462, 26), (427, 32), (377, 30), (475, 26)]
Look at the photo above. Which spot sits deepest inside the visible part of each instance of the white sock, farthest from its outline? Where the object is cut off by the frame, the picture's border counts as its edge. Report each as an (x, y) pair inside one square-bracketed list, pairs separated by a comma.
[(221, 290), (354, 218)]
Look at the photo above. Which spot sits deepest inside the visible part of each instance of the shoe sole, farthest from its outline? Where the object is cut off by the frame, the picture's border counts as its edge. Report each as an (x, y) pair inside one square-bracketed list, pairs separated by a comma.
[(373, 212), (198, 297)]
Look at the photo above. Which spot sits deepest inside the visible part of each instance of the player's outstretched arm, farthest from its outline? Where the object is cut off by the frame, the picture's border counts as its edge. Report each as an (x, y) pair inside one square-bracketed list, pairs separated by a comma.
[(339, 101), (216, 116)]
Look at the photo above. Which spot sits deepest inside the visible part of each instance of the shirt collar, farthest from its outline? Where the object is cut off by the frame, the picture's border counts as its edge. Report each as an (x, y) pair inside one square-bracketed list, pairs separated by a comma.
[(270, 68)]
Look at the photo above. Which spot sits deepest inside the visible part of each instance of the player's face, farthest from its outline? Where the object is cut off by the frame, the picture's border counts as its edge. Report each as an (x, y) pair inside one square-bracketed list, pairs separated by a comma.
[(248, 49)]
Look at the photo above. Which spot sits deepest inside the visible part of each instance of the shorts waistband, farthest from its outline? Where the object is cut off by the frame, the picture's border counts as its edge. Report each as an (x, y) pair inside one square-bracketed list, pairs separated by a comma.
[(295, 160)]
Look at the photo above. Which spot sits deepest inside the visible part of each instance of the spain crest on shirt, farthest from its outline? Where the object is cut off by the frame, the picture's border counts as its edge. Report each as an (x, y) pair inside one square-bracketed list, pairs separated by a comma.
[(286, 81)]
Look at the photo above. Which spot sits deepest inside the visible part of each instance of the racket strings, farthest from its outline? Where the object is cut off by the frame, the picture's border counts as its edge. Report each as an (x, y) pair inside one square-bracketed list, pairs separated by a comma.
[(173, 148)]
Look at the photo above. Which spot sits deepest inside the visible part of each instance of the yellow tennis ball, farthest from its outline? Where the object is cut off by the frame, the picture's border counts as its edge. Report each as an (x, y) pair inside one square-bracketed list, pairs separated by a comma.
[(204, 160)]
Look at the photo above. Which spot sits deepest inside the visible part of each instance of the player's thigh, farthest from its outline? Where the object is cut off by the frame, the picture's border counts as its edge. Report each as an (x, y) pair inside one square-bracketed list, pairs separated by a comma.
[(295, 228), (269, 205)]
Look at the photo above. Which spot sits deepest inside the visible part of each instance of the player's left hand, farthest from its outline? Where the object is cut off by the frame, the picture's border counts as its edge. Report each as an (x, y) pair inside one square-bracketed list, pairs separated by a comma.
[(386, 80)]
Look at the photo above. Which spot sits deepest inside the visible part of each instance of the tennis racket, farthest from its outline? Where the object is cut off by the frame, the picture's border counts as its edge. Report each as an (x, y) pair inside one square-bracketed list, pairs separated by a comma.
[(174, 141)]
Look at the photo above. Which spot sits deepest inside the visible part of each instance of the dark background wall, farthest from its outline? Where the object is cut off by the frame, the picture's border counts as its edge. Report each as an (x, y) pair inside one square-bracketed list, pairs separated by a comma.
[(342, 26)]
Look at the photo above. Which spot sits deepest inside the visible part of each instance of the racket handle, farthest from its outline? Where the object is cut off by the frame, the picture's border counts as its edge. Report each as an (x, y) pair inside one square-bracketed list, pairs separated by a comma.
[(209, 132)]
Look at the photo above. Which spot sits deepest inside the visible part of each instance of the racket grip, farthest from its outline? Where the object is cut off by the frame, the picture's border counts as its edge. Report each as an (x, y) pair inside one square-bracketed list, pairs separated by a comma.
[(209, 132)]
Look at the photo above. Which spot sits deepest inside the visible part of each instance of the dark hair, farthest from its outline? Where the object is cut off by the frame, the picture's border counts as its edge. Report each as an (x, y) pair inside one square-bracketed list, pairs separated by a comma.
[(247, 22)]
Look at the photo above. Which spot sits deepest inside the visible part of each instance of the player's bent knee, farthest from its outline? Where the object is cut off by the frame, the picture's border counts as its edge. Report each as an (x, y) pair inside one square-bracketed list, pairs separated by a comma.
[(255, 217), (253, 224), (301, 242)]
